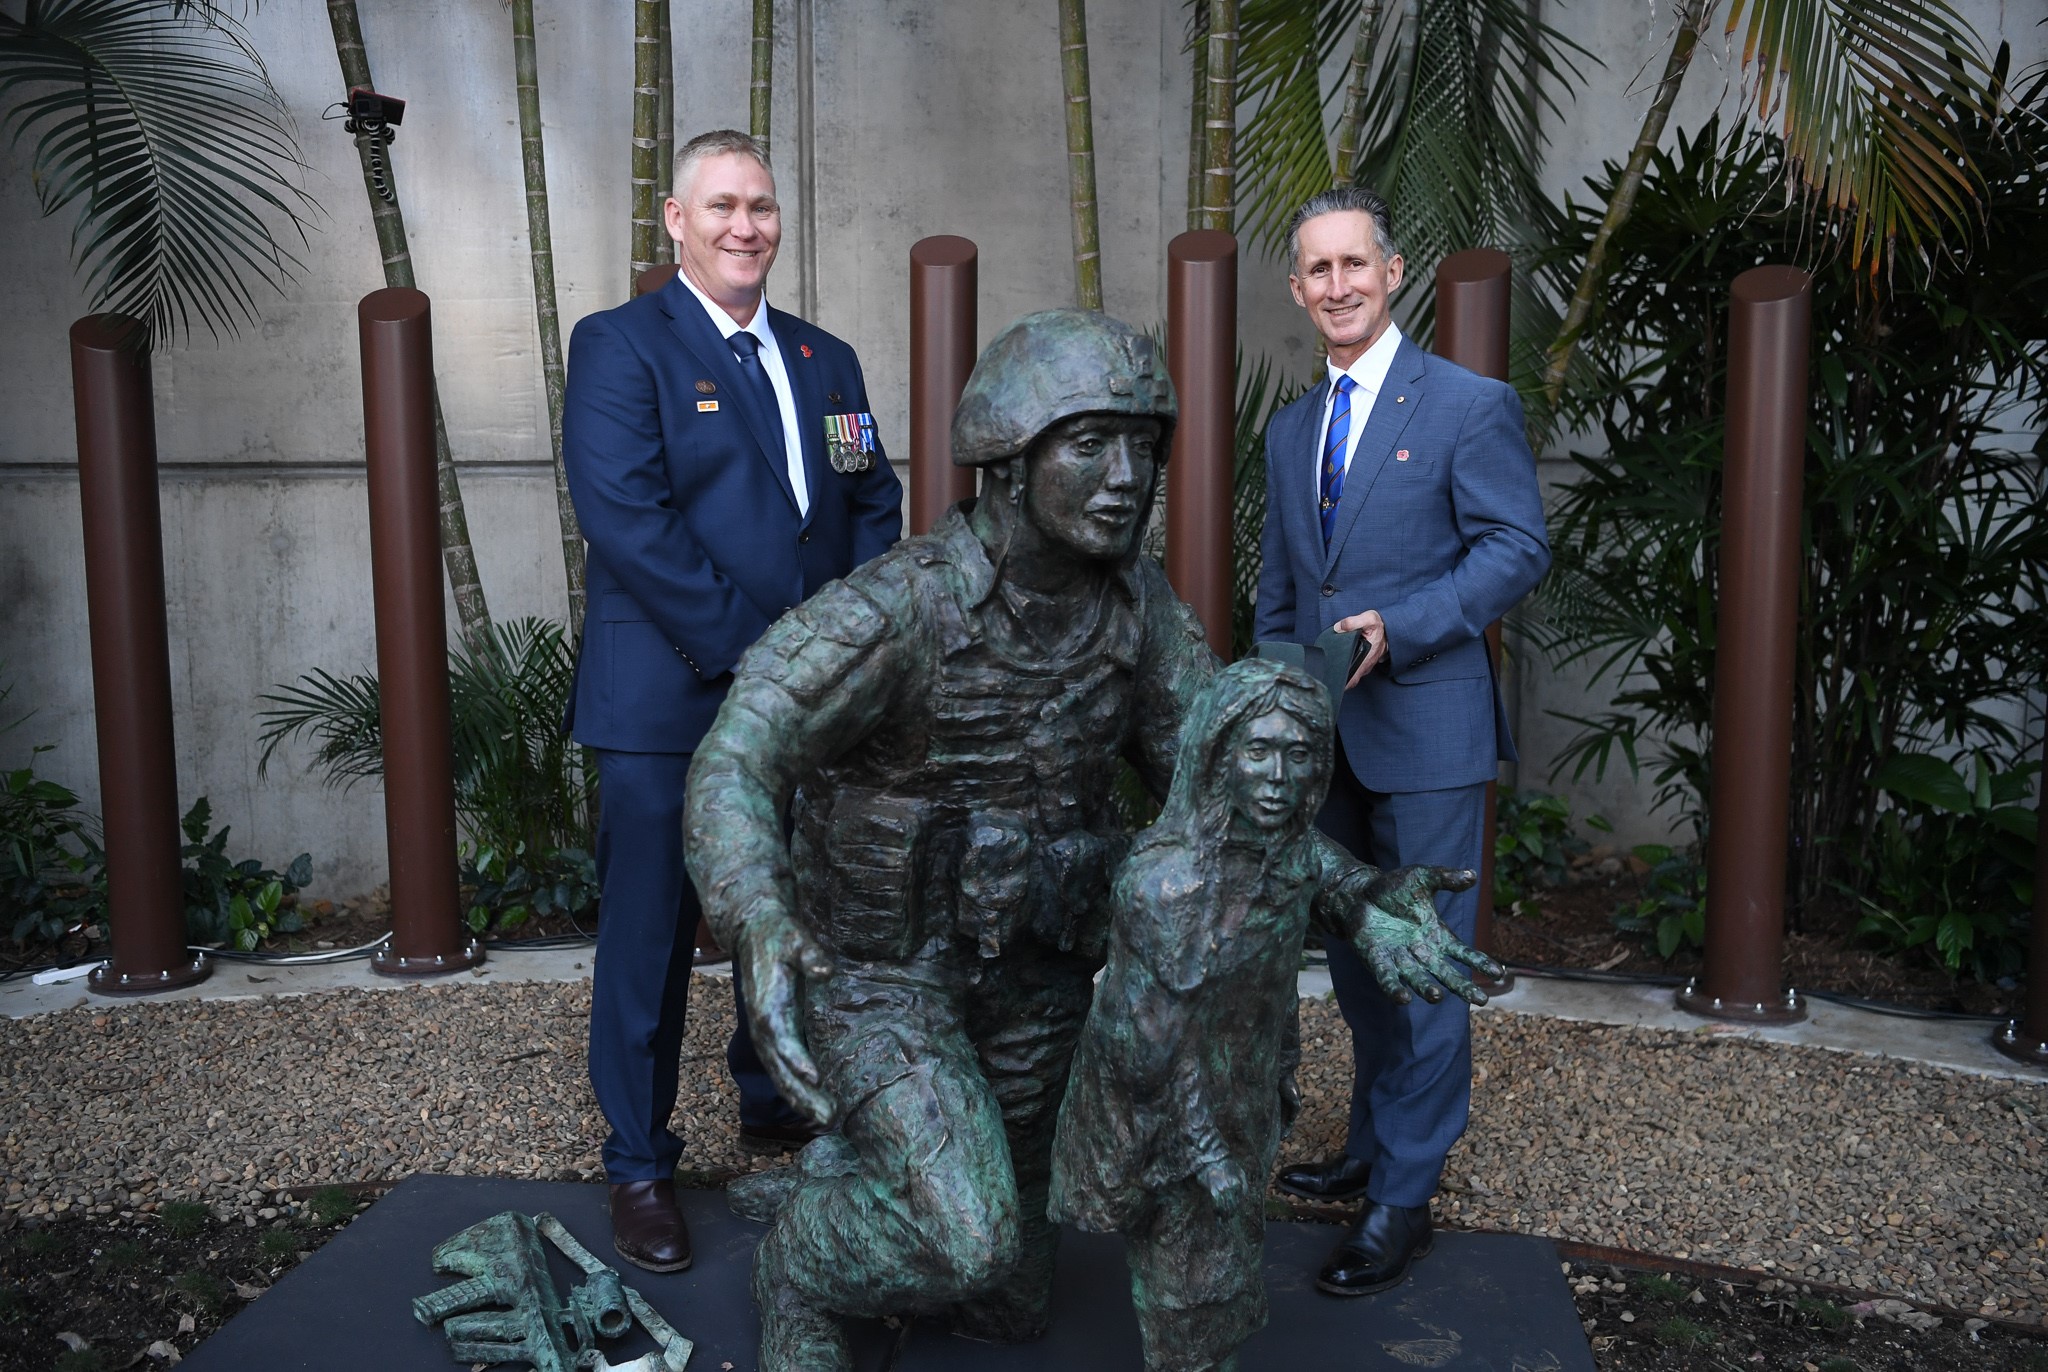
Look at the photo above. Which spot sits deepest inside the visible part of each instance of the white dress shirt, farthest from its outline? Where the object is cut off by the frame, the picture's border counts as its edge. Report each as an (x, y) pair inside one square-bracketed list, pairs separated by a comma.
[(1369, 372), (778, 377)]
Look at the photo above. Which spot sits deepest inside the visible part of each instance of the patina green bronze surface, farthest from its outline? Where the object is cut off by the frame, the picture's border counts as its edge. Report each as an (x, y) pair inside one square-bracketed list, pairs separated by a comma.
[(508, 1308), (942, 730), (1183, 1083)]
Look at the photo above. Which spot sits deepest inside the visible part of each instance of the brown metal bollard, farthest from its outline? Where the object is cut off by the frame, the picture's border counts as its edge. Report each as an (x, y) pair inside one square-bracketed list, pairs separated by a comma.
[(427, 934), (2026, 1039), (654, 278), (1769, 335), (1201, 480), (131, 659), (1472, 330), (944, 280)]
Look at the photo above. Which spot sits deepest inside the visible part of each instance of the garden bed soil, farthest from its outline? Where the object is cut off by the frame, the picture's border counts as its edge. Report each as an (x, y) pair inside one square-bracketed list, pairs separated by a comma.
[(129, 1292), (1572, 926)]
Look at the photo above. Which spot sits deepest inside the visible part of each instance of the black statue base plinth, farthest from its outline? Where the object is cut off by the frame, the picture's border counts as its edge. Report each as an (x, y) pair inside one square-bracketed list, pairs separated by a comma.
[(1478, 1301)]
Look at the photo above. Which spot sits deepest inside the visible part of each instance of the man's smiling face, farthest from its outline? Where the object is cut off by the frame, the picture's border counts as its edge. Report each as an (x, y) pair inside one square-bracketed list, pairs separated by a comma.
[(1341, 278), (728, 225)]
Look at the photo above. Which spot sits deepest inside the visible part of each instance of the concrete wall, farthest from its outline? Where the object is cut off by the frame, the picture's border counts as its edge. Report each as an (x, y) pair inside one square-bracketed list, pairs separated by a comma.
[(925, 117)]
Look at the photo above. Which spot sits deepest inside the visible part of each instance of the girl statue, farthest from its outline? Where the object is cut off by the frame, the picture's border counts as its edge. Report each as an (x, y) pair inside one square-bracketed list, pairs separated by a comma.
[(1184, 1079)]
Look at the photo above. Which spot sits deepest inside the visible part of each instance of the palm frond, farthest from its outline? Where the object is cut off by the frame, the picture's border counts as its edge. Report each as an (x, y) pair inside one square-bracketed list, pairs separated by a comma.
[(1454, 129), (157, 120), (1868, 95), (1283, 147)]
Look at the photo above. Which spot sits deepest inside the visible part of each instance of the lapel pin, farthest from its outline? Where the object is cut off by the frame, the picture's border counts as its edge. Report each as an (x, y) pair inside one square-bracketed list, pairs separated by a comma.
[(706, 388), (832, 396), (706, 406), (1401, 456), (804, 348), (1400, 400)]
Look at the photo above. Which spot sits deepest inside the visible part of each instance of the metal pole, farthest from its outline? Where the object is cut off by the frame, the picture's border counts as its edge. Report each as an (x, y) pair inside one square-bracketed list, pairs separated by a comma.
[(2026, 1039), (1769, 331), (131, 659), (427, 934), (945, 273), (655, 277), (1472, 330), (1201, 480)]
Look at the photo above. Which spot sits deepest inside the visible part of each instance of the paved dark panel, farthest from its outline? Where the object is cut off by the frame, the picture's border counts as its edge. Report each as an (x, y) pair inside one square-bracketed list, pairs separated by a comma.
[(1487, 1303)]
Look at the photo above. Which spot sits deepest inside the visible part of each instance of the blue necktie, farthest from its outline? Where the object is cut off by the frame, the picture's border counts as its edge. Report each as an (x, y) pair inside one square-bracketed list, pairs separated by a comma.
[(760, 390), (1333, 455)]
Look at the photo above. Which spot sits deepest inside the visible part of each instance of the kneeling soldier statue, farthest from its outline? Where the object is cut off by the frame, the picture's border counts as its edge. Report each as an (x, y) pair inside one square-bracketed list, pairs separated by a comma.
[(943, 729)]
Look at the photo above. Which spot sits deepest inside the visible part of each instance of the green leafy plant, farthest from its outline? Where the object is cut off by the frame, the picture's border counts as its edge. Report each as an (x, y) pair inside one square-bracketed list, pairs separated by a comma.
[(1920, 531), (200, 1287), (52, 869), (331, 1205), (242, 903), (1824, 1313), (184, 1219), (1671, 901), (157, 120), (520, 784), (1655, 1286), (507, 889), (1950, 870), (1679, 1332), (1533, 844), (278, 1243)]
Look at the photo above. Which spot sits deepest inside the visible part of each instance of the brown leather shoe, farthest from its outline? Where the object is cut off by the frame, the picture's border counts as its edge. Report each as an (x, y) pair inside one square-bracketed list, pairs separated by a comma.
[(647, 1226)]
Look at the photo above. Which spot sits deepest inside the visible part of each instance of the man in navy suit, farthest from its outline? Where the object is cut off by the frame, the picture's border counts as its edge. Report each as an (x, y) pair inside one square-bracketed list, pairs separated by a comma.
[(724, 465), (1401, 504)]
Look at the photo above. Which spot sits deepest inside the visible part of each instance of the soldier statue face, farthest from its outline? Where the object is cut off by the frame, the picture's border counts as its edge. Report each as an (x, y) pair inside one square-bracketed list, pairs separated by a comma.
[(1089, 485), (1270, 772)]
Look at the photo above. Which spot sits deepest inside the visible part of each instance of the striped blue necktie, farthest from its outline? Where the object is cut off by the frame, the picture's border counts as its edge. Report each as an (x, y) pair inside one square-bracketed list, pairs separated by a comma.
[(1333, 455)]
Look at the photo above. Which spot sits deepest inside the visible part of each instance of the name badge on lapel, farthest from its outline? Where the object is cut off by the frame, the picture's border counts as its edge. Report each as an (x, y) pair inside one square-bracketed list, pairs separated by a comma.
[(850, 442)]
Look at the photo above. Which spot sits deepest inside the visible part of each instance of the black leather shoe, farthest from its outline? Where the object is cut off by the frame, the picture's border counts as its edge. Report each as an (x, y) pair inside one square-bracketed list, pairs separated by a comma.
[(1341, 1178), (647, 1226), (786, 1137), (1376, 1254)]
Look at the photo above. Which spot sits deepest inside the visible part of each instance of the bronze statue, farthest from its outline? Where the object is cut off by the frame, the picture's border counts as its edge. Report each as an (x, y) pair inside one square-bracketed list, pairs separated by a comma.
[(1182, 1086), (942, 730)]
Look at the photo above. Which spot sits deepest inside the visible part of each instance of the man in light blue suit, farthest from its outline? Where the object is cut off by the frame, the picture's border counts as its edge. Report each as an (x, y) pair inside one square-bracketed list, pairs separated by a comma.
[(1401, 504), (723, 464)]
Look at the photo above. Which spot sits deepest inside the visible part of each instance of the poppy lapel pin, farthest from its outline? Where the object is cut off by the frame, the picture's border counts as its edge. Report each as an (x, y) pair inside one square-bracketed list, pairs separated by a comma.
[(1401, 456), (804, 348)]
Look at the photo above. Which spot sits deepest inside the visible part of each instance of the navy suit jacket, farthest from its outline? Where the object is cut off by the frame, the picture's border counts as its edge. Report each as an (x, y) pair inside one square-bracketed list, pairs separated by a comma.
[(1440, 529), (683, 491)]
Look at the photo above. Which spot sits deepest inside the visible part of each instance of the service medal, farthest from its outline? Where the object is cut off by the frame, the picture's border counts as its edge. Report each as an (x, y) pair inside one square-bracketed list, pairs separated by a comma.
[(850, 442)]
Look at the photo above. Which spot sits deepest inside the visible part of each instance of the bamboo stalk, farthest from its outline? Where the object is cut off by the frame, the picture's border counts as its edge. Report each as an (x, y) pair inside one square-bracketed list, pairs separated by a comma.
[(760, 94), (1080, 154), (1692, 15), (472, 612), (1345, 167), (1198, 112), (541, 248), (647, 235), (665, 129), (1219, 166)]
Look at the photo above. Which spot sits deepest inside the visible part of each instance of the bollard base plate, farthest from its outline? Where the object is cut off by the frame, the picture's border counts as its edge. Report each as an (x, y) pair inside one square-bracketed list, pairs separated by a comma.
[(389, 963), (105, 981), (1788, 1008), (2013, 1040)]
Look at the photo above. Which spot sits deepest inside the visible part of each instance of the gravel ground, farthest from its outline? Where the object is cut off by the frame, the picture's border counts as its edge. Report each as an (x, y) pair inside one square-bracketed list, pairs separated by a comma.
[(1883, 1177)]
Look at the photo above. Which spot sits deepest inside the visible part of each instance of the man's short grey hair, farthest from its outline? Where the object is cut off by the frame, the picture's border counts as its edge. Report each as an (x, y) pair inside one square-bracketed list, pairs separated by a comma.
[(1363, 200), (716, 143)]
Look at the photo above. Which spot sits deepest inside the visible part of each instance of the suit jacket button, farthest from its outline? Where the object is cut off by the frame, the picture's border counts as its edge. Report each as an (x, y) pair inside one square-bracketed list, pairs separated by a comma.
[(1329, 590), (803, 538)]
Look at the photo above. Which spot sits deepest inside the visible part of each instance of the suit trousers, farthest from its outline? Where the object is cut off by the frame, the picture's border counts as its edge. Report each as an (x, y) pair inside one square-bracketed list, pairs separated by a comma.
[(1413, 1086), (646, 936)]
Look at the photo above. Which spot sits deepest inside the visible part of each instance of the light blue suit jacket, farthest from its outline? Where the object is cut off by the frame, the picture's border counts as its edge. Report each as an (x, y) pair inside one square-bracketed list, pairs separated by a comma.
[(1440, 529)]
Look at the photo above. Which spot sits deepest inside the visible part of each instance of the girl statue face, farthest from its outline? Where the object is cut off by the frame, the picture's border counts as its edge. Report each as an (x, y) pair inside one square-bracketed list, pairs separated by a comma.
[(1270, 772)]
